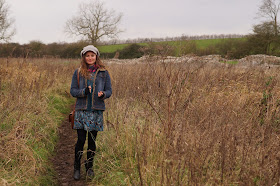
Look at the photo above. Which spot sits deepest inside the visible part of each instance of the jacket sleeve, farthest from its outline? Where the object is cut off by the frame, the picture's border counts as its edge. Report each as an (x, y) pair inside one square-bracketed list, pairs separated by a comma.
[(108, 87), (75, 91)]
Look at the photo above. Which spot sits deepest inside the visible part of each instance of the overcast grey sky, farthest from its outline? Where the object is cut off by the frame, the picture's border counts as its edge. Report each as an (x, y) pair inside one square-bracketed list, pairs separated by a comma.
[(44, 20)]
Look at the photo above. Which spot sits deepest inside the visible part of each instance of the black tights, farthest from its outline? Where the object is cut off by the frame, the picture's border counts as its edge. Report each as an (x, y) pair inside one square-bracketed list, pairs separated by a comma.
[(82, 134)]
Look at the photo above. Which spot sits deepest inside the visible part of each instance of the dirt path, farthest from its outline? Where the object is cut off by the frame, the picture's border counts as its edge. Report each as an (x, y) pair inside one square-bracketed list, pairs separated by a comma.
[(63, 161)]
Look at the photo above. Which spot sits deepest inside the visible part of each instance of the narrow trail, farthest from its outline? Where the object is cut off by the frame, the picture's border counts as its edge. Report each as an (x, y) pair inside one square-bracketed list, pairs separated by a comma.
[(63, 161)]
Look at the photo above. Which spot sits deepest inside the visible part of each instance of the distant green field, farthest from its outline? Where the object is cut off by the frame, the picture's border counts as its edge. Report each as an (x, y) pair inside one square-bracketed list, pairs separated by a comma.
[(111, 48), (201, 44), (114, 48)]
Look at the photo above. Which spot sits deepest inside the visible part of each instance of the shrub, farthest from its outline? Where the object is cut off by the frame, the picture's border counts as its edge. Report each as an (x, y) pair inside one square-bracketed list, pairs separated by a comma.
[(187, 47), (131, 51), (233, 48)]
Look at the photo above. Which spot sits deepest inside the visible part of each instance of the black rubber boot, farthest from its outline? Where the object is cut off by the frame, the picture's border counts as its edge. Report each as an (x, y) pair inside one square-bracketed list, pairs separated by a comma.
[(90, 173), (77, 173), (89, 170)]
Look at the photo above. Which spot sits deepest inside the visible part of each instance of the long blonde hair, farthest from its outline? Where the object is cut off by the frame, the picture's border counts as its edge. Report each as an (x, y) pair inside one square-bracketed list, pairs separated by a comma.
[(84, 66)]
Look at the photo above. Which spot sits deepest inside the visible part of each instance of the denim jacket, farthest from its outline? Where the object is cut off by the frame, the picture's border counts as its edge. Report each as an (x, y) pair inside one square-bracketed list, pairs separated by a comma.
[(102, 83)]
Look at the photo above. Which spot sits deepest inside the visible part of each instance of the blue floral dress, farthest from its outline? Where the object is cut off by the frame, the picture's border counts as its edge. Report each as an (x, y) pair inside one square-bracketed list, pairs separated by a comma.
[(89, 119)]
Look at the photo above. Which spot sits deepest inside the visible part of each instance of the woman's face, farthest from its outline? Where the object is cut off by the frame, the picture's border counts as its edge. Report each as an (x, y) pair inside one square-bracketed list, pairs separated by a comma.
[(90, 58)]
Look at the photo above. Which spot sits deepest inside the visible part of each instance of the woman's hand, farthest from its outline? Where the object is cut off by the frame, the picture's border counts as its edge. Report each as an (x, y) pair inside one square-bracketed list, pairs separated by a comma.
[(88, 90), (100, 94)]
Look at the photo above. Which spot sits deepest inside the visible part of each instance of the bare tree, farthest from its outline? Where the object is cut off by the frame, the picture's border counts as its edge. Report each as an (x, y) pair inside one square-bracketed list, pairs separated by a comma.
[(270, 9), (94, 22), (6, 23)]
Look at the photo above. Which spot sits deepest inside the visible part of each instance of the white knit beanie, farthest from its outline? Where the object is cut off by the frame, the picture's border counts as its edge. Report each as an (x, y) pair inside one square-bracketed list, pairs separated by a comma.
[(90, 48)]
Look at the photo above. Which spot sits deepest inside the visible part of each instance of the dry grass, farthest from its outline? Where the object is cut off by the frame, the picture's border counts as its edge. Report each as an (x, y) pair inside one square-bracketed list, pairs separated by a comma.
[(166, 123), (28, 128), (178, 124)]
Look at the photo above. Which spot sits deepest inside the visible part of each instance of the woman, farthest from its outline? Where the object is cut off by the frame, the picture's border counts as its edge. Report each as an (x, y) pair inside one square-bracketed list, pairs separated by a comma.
[(94, 86)]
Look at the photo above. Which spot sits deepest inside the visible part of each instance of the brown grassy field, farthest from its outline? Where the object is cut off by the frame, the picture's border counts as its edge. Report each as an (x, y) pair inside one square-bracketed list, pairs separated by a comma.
[(32, 97), (166, 123), (178, 124)]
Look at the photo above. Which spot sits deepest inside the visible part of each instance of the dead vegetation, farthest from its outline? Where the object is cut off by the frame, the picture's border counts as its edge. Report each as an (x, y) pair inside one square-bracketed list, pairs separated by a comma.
[(178, 124), (27, 124), (166, 123)]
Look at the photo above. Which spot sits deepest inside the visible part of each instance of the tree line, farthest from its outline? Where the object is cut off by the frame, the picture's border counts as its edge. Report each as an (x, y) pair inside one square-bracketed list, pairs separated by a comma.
[(232, 48), (178, 38), (37, 49)]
